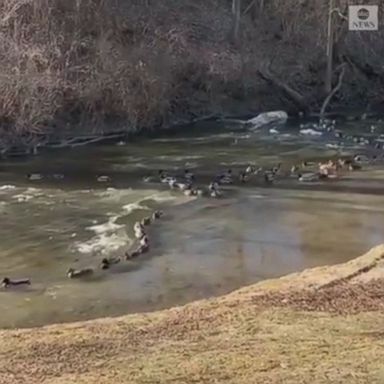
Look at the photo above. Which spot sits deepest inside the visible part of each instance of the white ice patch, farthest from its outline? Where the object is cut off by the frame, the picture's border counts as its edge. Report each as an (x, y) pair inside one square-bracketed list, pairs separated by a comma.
[(104, 243), (310, 132), (129, 208), (7, 187), (21, 198), (107, 227)]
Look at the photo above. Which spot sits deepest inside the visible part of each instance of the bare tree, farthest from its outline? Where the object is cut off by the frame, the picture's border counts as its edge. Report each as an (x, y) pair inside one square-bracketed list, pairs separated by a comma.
[(236, 14), (329, 70)]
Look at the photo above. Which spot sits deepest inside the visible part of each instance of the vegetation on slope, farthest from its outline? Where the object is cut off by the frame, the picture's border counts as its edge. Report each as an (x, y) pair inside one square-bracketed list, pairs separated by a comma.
[(66, 64)]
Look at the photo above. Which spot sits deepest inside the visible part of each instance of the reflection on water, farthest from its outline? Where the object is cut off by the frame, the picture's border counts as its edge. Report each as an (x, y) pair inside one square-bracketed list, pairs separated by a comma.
[(200, 248)]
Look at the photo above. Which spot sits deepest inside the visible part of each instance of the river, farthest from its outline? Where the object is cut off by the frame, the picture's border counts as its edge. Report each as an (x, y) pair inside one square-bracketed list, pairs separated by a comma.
[(201, 247)]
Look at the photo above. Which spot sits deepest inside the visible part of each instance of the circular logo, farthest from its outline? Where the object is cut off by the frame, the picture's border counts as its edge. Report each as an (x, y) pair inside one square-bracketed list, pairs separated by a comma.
[(363, 14)]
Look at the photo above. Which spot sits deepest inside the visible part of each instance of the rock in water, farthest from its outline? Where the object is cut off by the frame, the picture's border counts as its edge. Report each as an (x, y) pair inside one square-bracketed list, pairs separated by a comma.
[(267, 118)]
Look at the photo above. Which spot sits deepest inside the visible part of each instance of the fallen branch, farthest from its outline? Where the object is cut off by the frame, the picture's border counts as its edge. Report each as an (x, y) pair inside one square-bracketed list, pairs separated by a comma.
[(292, 94), (333, 91)]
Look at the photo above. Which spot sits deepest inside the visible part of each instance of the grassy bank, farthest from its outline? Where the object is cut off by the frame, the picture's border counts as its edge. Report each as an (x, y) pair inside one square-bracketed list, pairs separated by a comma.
[(69, 66), (320, 326)]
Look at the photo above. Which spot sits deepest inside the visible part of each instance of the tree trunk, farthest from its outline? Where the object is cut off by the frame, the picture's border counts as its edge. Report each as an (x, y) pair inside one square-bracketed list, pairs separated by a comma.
[(236, 14), (329, 70)]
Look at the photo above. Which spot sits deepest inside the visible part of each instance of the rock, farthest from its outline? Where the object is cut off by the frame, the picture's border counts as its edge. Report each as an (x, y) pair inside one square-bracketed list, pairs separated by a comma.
[(267, 118)]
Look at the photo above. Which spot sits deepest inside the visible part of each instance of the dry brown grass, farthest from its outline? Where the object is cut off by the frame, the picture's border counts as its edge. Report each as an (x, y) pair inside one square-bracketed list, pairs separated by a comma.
[(245, 337)]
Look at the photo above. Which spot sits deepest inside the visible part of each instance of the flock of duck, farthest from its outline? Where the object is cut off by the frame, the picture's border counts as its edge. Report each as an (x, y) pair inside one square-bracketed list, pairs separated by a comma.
[(304, 172), (107, 262)]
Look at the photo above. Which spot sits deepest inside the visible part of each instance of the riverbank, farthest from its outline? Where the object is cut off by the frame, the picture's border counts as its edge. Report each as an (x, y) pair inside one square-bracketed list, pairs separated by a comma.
[(322, 325), (91, 66)]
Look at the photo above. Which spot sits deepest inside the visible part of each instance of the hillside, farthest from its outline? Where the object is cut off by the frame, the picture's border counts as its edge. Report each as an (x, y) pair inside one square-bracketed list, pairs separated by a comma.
[(319, 326), (78, 66)]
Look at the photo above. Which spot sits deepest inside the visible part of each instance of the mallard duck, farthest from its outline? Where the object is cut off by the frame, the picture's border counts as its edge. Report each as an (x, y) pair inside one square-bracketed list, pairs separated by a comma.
[(35, 176), (308, 164), (183, 186), (7, 282), (250, 169), (138, 226), (144, 245), (308, 177), (149, 179), (132, 255), (139, 233), (165, 178), (189, 192), (226, 178), (146, 221), (75, 273), (103, 179), (339, 134), (200, 192), (215, 194), (361, 159), (172, 183), (275, 170), (354, 167), (58, 176), (213, 186), (189, 176), (106, 263), (269, 177), (157, 214), (243, 177)]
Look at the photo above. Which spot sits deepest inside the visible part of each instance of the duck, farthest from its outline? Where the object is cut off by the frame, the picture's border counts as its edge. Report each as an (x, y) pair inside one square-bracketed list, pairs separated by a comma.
[(183, 186), (215, 194), (138, 226), (243, 177), (307, 164), (157, 214), (106, 263), (269, 177), (144, 245), (275, 170), (34, 176), (172, 183), (76, 273), (361, 158), (139, 233), (165, 178), (189, 192), (103, 179), (132, 255), (226, 177), (258, 170), (189, 176), (354, 167), (7, 282), (149, 179), (58, 176), (213, 186), (200, 192), (294, 169), (250, 169), (308, 177), (146, 221)]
